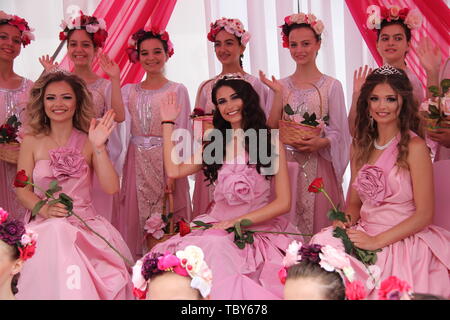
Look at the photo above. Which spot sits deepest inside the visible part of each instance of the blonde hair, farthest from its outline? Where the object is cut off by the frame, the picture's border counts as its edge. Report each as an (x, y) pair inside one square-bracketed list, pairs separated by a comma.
[(84, 112)]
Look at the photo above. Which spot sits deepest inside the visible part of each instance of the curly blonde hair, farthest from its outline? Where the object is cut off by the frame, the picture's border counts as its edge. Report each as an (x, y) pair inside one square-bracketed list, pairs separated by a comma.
[(84, 112)]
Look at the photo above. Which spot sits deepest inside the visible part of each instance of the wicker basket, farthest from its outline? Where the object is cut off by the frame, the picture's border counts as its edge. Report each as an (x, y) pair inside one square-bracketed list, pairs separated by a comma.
[(9, 152), (432, 124), (291, 131), (150, 240)]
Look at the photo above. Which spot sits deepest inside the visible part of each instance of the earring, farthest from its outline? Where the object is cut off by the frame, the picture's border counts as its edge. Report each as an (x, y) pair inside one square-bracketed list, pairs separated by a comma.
[(371, 122)]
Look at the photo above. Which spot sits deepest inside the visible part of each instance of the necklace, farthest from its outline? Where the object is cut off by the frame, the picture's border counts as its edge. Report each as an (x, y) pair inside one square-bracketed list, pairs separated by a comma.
[(378, 147)]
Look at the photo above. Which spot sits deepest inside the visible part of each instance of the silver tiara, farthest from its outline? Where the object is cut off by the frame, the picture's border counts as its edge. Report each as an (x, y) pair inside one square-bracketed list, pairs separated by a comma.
[(230, 76), (387, 70)]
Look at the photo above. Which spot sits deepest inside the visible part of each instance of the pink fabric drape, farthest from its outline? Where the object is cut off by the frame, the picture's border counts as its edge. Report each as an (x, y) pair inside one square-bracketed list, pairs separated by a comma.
[(123, 18), (435, 25)]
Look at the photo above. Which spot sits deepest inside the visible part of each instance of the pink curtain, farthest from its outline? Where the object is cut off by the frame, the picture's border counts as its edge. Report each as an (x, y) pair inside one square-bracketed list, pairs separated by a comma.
[(123, 18), (435, 25)]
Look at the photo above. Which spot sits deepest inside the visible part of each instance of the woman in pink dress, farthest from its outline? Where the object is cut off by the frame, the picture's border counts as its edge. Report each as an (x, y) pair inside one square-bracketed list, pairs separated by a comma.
[(242, 191), (391, 199), (393, 42), (230, 40), (14, 91), (86, 36), (325, 155), (71, 262), (144, 180)]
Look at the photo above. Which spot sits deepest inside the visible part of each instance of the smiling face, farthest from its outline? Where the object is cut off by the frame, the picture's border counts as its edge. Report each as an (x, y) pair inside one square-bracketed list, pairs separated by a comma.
[(10, 41), (303, 45), (60, 102), (384, 104), (80, 48), (152, 55), (227, 47), (230, 106), (392, 43)]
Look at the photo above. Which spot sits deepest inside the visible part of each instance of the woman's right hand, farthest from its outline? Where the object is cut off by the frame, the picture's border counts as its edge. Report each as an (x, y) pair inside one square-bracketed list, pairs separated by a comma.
[(57, 210), (47, 62), (359, 77), (275, 85), (169, 108)]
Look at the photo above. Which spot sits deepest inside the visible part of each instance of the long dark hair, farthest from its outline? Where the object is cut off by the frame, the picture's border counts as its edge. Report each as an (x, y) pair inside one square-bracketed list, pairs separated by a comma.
[(408, 118), (253, 117)]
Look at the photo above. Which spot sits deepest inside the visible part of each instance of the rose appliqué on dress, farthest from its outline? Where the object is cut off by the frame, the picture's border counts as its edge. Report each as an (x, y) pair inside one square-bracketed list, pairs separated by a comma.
[(371, 184), (67, 163), (236, 184)]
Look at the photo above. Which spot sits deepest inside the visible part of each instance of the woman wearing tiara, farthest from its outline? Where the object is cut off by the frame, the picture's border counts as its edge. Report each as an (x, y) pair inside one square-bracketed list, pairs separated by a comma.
[(85, 36), (144, 179), (309, 90), (14, 91), (391, 199), (230, 40)]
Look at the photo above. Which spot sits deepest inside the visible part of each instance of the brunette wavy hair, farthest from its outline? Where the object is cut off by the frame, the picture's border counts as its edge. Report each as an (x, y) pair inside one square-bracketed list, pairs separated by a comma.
[(253, 117), (38, 119), (408, 118)]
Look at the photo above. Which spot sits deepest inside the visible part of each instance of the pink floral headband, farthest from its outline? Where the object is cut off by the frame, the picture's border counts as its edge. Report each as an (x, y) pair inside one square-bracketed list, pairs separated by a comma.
[(411, 18), (132, 51), (14, 233), (329, 259), (188, 263), (300, 18), (393, 288), (93, 25), (21, 24), (233, 26)]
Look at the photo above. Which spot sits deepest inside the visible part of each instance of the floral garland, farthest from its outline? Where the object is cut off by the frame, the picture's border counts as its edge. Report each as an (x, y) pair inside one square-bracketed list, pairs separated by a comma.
[(233, 26), (188, 263), (14, 233), (300, 18), (132, 49), (329, 259), (26, 34), (411, 18), (93, 25)]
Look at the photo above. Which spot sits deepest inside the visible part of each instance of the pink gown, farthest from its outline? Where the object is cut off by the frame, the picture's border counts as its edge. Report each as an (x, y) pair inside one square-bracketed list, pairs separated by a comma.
[(203, 194), (12, 101), (328, 163), (252, 272), (70, 261), (143, 176), (422, 259)]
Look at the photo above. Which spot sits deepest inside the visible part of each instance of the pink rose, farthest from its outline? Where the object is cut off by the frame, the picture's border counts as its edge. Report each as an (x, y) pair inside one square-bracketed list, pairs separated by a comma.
[(3, 215), (92, 28), (331, 259), (245, 38), (292, 256), (282, 274), (67, 163), (355, 290), (237, 186), (393, 12), (371, 183), (413, 19), (393, 288), (169, 261), (154, 225)]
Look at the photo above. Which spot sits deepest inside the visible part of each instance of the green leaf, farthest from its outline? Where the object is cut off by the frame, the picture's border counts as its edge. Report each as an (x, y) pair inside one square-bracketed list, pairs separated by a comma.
[(434, 90), (240, 244), (342, 234), (246, 222), (288, 109), (52, 202), (53, 188), (445, 84), (230, 229), (66, 200), (336, 215), (202, 224), (38, 207), (237, 228), (250, 239)]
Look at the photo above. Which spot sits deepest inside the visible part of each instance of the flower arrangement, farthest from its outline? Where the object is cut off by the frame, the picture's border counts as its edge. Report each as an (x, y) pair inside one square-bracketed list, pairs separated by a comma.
[(411, 18), (132, 50), (306, 118), (9, 130), (329, 259), (300, 18), (14, 233), (232, 26), (92, 25), (393, 288), (436, 110), (25, 31), (189, 262), (62, 170)]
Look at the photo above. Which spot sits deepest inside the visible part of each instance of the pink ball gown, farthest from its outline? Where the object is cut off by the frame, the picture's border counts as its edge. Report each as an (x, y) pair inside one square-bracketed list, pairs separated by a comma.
[(422, 259), (70, 261), (252, 272)]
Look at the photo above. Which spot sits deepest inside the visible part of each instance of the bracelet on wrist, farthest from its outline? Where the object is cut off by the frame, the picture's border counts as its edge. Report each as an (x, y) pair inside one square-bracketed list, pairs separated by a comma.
[(167, 121)]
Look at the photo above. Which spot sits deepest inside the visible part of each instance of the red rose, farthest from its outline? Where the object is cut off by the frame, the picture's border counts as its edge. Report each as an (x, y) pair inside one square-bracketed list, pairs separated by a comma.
[(139, 293), (355, 290), (28, 251), (393, 288), (184, 228), (100, 37), (21, 179), (316, 185), (403, 13), (165, 36), (198, 112), (62, 36)]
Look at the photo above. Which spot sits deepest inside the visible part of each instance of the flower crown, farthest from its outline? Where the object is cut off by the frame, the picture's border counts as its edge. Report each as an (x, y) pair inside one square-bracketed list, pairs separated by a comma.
[(233, 26), (132, 51), (26, 34), (393, 288), (300, 18), (411, 18), (188, 263), (93, 25), (14, 233), (329, 259), (387, 70)]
